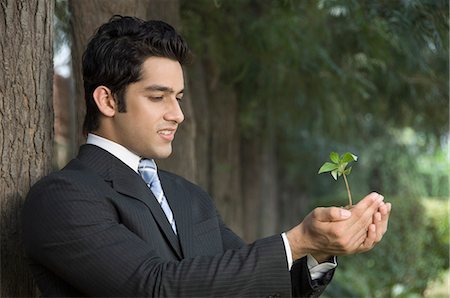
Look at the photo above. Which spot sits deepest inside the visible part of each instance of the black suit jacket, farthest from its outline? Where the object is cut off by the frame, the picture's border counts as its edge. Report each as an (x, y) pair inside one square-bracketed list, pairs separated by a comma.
[(95, 229)]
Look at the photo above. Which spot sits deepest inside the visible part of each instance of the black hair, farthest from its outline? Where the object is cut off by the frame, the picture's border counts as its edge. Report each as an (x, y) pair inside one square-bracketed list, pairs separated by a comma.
[(115, 54)]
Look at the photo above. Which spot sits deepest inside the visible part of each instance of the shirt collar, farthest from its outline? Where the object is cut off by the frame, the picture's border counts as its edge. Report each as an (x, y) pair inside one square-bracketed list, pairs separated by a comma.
[(126, 156)]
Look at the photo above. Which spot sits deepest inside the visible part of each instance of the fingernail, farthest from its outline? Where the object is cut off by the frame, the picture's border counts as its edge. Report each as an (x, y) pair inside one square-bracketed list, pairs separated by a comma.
[(345, 213), (380, 198), (374, 196)]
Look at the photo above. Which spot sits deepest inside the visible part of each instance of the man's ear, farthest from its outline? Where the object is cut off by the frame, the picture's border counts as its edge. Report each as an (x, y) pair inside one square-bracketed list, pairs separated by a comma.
[(105, 101)]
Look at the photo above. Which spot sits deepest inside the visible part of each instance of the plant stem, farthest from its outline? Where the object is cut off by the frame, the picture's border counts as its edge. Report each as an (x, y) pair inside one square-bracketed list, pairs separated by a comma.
[(348, 190)]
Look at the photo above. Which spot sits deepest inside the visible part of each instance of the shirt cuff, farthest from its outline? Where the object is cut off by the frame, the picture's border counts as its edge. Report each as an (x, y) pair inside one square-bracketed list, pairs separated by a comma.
[(287, 248), (316, 270)]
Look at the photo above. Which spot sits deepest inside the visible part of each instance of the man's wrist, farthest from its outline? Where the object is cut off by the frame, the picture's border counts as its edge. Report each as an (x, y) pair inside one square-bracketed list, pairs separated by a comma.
[(321, 258), (295, 245)]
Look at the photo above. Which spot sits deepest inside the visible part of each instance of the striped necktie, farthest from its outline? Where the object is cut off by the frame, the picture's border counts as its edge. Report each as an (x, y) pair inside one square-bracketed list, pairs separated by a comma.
[(148, 172)]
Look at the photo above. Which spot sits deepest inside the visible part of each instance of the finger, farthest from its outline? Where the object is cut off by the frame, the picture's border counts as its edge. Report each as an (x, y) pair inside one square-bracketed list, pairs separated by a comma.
[(359, 241), (370, 228), (361, 227), (385, 211), (369, 242), (376, 202), (365, 217), (368, 215), (331, 214), (371, 202), (383, 223), (379, 226), (377, 217)]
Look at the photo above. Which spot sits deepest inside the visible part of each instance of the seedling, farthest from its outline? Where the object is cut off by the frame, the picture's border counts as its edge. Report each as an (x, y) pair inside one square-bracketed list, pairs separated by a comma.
[(338, 167)]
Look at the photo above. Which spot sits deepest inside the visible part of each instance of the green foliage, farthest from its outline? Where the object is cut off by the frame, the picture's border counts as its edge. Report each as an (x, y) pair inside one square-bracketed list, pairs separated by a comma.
[(412, 254), (325, 73), (437, 211), (434, 170), (367, 61), (338, 165)]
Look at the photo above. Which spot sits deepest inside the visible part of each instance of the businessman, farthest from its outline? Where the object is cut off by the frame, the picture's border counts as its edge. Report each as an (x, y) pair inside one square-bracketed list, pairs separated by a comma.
[(112, 224)]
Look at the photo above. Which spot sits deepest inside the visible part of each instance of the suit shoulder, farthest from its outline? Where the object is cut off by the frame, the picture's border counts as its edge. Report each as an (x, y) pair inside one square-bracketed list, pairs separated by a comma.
[(72, 178)]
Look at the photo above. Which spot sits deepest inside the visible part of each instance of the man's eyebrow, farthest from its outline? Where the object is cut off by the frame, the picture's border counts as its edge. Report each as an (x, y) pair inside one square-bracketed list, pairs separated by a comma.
[(161, 88)]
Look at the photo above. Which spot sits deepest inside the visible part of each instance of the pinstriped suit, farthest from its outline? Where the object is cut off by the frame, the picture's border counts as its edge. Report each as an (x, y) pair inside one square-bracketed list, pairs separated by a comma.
[(95, 229)]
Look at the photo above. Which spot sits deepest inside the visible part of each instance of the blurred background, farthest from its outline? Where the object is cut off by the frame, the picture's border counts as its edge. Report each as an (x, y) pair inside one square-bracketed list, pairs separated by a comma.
[(274, 87)]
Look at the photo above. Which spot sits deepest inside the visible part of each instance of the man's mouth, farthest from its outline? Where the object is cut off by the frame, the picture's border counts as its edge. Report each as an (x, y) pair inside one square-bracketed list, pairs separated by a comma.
[(167, 134)]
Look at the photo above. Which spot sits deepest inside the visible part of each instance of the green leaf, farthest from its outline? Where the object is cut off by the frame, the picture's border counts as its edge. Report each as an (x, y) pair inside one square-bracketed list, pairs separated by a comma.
[(348, 157), (348, 171), (342, 167), (328, 166), (334, 174), (334, 157)]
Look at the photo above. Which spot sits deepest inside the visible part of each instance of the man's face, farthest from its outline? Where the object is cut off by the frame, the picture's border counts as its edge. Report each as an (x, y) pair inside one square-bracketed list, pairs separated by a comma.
[(152, 109)]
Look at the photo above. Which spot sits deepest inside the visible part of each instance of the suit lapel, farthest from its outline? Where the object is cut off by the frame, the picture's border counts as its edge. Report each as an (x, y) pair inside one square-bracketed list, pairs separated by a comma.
[(127, 182), (179, 201)]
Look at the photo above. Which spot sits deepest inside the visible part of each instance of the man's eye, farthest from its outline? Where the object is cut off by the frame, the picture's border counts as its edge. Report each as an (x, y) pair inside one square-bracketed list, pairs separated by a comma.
[(156, 97), (179, 98)]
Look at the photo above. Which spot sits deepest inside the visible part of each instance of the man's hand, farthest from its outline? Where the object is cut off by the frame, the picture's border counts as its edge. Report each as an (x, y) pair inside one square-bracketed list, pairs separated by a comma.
[(380, 221), (338, 231)]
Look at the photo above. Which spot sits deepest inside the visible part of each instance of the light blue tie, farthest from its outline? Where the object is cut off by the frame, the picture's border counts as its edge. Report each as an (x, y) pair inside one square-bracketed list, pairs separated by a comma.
[(147, 169)]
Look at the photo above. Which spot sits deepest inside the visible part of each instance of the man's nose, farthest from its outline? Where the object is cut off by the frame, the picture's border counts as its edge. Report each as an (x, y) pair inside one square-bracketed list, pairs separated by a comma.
[(174, 112)]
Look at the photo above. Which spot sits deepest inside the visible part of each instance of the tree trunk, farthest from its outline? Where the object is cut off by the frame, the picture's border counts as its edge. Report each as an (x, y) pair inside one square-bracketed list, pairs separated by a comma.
[(197, 86), (225, 156), (260, 187), (26, 132)]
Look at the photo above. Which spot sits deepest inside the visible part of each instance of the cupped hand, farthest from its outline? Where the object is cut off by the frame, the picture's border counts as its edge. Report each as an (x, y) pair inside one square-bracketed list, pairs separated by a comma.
[(378, 227), (338, 231)]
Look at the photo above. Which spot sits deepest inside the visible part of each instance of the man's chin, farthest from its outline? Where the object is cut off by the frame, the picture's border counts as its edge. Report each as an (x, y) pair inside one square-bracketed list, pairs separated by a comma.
[(163, 155)]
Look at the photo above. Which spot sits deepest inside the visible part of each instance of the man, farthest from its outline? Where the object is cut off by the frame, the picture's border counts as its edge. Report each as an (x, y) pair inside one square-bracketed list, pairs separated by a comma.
[(111, 224)]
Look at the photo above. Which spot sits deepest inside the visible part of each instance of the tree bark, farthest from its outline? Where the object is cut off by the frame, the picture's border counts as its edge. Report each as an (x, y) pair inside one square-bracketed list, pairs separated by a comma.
[(197, 87), (225, 156), (26, 132), (260, 182)]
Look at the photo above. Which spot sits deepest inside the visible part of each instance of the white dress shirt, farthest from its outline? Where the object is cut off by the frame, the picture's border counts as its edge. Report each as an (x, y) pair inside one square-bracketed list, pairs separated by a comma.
[(132, 160)]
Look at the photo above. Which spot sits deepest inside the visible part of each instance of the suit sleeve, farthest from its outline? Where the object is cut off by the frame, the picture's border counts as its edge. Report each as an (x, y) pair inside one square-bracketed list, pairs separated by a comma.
[(73, 230), (301, 283)]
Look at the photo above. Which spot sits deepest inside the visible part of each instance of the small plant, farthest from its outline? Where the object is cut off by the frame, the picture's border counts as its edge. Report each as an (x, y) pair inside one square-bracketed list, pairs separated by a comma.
[(338, 167)]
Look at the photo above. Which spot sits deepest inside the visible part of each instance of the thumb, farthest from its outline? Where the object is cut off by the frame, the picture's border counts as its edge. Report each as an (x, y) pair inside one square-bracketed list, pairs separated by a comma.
[(331, 214)]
